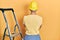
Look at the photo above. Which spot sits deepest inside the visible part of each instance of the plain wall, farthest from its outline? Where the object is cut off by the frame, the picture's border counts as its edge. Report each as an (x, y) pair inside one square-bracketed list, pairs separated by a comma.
[(48, 9)]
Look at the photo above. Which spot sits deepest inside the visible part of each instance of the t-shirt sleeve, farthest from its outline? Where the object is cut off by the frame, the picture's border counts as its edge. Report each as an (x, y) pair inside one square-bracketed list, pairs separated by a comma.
[(41, 20), (23, 20)]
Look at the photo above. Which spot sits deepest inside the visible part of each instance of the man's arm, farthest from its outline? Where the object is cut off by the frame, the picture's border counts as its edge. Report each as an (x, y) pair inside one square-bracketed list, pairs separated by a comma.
[(41, 23), (24, 25), (40, 27)]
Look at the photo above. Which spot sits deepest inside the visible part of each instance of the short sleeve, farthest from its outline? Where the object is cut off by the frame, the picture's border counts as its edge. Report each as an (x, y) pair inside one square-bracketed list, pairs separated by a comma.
[(24, 20), (41, 20)]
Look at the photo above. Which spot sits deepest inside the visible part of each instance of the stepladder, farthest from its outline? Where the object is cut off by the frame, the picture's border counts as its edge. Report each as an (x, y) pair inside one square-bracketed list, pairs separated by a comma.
[(7, 28)]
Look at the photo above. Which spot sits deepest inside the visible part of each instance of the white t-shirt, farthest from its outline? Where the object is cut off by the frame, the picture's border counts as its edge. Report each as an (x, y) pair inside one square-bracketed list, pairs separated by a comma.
[(32, 23)]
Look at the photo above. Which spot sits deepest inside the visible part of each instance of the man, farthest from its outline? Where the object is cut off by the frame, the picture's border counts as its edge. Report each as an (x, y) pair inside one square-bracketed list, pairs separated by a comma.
[(32, 23)]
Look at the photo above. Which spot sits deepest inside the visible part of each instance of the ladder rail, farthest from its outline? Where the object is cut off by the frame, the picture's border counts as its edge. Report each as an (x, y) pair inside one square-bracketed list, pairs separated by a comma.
[(7, 26)]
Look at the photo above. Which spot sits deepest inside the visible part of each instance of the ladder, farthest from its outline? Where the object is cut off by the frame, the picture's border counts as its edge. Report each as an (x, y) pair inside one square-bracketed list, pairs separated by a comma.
[(11, 37)]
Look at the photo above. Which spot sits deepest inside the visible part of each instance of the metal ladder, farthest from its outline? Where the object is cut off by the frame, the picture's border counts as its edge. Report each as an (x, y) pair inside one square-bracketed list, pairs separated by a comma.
[(7, 26)]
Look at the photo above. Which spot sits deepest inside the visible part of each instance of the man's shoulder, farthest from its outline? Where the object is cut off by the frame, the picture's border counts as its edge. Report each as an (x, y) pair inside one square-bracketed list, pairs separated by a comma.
[(33, 15), (39, 16)]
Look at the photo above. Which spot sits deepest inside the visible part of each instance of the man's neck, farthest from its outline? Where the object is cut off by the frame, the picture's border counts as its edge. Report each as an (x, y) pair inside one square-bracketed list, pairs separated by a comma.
[(33, 13)]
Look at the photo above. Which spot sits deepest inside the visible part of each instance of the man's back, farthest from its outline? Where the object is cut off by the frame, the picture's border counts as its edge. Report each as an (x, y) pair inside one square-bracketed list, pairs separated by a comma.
[(32, 23)]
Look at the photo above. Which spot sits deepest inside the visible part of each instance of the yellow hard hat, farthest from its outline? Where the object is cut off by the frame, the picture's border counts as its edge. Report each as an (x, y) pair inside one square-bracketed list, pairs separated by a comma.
[(33, 6)]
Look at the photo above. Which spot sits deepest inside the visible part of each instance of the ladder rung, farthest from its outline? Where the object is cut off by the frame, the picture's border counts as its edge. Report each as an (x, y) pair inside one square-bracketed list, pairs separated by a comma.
[(13, 34), (7, 35)]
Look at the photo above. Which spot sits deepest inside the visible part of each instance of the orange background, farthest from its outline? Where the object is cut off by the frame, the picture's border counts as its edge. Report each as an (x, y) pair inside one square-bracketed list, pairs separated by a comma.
[(48, 9)]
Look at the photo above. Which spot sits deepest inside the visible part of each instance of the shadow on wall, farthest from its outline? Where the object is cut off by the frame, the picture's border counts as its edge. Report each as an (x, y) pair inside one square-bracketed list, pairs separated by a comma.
[(20, 20)]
